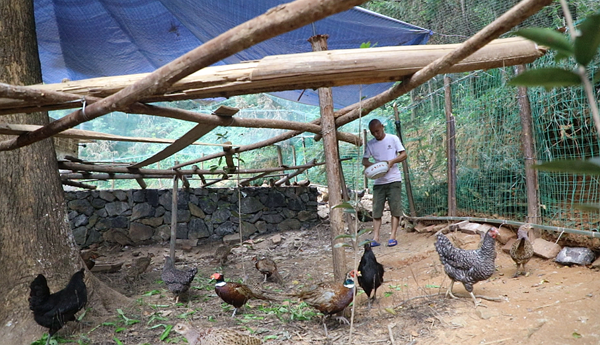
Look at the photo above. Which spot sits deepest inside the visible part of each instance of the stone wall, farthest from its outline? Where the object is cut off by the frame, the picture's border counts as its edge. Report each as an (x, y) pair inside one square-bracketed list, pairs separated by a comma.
[(145, 215)]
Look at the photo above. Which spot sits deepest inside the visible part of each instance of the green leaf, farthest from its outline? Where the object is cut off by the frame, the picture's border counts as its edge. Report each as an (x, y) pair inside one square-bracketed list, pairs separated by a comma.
[(589, 166), (361, 244), (344, 205), (117, 341), (364, 231), (548, 37), (547, 77), (587, 43), (166, 333), (587, 207), (576, 335), (344, 236), (120, 329)]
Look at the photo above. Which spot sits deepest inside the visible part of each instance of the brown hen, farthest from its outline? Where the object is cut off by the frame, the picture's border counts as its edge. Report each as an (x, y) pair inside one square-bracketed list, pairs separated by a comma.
[(268, 268), (522, 250), (215, 336)]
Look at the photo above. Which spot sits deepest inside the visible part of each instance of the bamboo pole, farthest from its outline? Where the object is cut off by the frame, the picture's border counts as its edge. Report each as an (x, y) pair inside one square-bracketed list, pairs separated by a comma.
[(332, 167), (558, 229), (528, 147), (281, 19), (405, 170), (450, 147), (77, 184), (174, 218), (196, 169), (278, 73), (294, 174)]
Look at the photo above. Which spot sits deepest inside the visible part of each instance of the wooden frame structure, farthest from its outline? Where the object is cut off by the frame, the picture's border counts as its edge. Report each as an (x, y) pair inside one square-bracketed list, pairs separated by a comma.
[(189, 77)]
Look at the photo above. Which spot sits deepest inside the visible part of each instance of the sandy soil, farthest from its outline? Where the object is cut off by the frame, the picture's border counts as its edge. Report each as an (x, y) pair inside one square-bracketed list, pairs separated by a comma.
[(553, 305)]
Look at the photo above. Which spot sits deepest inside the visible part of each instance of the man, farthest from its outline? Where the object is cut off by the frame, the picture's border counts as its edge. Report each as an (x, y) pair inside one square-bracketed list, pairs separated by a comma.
[(385, 147)]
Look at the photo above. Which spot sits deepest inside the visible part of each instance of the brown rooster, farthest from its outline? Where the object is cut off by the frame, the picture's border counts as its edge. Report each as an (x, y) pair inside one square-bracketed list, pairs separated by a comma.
[(268, 268), (330, 298), (467, 266), (522, 250), (215, 336), (234, 293)]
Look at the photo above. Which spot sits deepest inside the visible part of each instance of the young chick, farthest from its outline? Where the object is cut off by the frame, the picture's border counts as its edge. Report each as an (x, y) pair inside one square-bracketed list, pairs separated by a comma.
[(522, 250)]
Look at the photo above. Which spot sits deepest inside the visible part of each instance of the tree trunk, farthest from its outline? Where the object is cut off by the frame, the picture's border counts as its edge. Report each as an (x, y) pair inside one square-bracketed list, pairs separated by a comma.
[(35, 236)]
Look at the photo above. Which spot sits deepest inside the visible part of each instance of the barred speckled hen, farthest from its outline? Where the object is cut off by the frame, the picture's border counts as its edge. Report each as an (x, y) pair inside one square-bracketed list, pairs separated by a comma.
[(177, 281), (234, 293), (215, 336), (522, 250), (468, 266)]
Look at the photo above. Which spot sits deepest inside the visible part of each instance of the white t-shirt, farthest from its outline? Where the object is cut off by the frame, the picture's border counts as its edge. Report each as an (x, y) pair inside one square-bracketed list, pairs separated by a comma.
[(385, 149)]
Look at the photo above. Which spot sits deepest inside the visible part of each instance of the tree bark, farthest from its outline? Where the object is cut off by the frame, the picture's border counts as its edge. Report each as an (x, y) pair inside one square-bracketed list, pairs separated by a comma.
[(35, 236)]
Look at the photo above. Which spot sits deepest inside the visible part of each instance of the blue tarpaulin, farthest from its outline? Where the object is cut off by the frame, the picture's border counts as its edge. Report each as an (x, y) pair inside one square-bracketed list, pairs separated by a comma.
[(81, 39)]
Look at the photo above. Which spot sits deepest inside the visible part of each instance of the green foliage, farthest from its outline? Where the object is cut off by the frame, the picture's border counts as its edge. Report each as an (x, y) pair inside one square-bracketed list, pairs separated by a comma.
[(548, 77), (586, 45)]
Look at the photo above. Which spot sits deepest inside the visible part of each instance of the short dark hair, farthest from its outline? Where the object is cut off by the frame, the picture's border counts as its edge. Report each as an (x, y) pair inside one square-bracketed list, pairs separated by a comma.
[(374, 122)]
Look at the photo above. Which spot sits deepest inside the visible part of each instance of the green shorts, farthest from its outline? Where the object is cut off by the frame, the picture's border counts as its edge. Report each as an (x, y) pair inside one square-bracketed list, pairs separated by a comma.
[(392, 192)]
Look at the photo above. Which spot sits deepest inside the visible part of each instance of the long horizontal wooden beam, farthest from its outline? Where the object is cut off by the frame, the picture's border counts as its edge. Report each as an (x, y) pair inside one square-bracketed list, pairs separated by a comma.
[(17, 129), (79, 167), (174, 113), (290, 72)]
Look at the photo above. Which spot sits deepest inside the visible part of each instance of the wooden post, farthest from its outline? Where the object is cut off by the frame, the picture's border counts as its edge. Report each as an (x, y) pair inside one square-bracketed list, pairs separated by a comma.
[(332, 167), (174, 218), (229, 157), (450, 147), (408, 186), (366, 181), (528, 147), (279, 156), (294, 160)]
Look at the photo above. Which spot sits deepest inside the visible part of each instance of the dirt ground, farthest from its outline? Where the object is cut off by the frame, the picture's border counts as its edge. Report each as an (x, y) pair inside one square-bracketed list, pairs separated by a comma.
[(553, 305)]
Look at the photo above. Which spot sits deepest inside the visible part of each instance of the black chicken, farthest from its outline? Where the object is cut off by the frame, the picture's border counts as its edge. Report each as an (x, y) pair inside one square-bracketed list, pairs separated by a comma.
[(370, 273), (53, 311), (177, 281), (468, 266)]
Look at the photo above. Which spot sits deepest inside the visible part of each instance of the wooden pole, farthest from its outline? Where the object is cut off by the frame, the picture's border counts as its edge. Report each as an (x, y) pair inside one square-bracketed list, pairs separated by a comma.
[(332, 167), (365, 180), (528, 147), (279, 156), (294, 160), (405, 170), (450, 147), (228, 158), (174, 218)]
